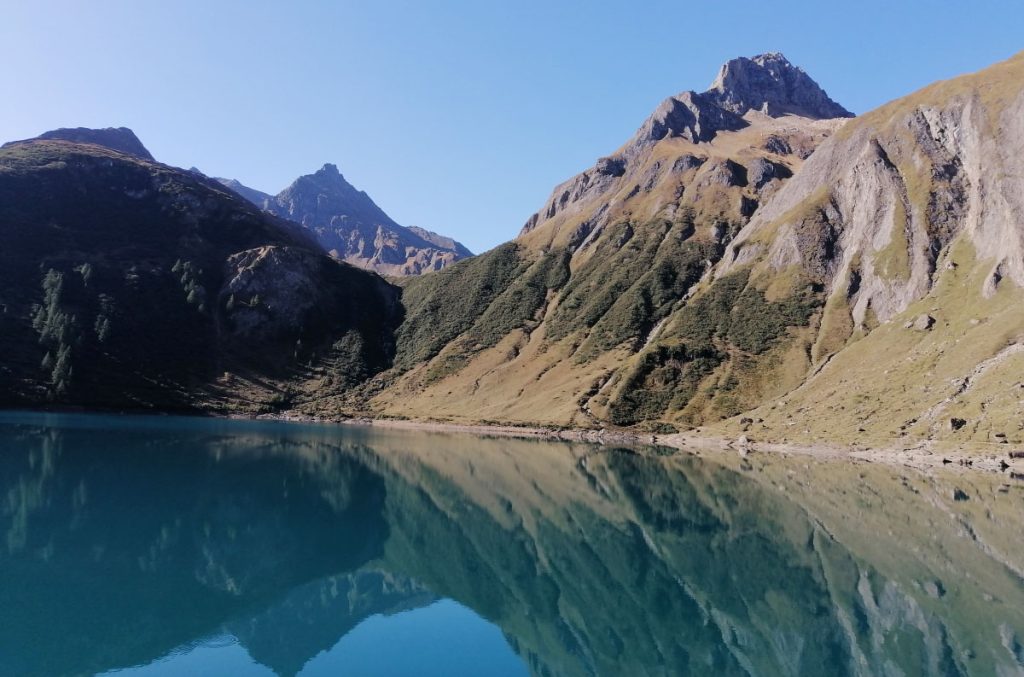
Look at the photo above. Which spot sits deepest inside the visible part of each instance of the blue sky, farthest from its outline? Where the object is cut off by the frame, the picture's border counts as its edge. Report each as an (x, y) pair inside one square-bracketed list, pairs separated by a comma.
[(455, 116)]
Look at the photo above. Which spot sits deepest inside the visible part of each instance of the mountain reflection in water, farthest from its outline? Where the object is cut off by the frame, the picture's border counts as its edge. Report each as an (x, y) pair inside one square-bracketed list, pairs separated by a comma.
[(127, 540)]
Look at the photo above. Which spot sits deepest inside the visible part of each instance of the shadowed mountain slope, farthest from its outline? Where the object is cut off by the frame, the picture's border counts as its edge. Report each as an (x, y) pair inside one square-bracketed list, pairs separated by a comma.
[(128, 283)]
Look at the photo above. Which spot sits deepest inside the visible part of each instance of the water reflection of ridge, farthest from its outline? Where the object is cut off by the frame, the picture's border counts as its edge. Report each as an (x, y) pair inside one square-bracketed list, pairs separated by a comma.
[(591, 562)]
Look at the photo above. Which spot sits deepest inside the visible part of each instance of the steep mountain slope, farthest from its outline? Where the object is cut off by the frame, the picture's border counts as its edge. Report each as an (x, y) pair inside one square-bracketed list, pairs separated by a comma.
[(910, 222), (127, 283), (897, 245), (534, 329), (686, 280), (352, 228)]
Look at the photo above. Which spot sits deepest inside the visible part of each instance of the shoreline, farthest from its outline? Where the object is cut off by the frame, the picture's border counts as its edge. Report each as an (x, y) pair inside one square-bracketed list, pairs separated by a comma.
[(923, 457), (920, 458)]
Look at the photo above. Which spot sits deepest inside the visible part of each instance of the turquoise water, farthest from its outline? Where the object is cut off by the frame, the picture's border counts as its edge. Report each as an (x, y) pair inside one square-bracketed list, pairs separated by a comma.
[(176, 546)]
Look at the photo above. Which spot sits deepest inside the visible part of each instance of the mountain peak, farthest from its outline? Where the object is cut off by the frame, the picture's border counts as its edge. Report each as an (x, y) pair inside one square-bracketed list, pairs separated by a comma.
[(330, 170), (770, 83), (120, 139), (348, 224)]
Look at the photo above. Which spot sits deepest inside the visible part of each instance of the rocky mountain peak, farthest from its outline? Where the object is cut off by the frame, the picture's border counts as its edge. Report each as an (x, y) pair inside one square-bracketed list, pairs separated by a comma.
[(350, 226), (120, 139), (329, 169), (771, 84)]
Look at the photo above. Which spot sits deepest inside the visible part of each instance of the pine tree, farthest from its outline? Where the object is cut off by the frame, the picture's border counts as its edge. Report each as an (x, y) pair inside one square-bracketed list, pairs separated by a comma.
[(61, 375), (102, 328)]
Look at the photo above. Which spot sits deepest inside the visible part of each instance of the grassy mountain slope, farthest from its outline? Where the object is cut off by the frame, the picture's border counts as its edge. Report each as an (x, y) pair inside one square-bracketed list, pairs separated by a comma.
[(601, 271), (873, 297)]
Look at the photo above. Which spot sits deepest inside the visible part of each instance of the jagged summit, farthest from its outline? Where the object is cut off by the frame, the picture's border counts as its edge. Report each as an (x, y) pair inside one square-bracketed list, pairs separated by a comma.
[(330, 169), (771, 84), (682, 135), (768, 83), (120, 139), (351, 227)]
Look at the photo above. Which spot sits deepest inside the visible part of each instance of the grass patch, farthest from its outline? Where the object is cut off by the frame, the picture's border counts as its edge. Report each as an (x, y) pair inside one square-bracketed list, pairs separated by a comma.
[(731, 323)]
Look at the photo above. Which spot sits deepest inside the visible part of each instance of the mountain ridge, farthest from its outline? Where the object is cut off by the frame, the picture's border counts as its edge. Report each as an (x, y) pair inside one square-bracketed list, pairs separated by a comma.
[(789, 278), (692, 300), (128, 283), (350, 226), (120, 139)]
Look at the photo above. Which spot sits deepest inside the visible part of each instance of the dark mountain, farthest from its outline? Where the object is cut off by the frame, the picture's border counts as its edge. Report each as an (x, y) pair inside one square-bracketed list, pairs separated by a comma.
[(120, 139), (352, 228), (128, 283)]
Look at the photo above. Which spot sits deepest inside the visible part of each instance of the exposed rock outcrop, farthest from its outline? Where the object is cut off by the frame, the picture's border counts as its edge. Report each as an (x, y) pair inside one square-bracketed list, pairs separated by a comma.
[(894, 189), (764, 109), (769, 83), (689, 115), (270, 290)]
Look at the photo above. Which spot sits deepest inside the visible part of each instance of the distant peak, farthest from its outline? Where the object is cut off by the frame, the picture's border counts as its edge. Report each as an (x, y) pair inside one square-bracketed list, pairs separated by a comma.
[(770, 83), (329, 169), (120, 139), (772, 56)]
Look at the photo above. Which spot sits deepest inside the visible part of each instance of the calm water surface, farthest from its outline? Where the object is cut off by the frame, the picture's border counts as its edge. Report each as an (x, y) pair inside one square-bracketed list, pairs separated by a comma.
[(140, 546)]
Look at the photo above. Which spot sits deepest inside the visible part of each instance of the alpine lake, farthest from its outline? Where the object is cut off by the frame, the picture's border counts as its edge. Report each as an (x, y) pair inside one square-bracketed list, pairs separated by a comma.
[(149, 546)]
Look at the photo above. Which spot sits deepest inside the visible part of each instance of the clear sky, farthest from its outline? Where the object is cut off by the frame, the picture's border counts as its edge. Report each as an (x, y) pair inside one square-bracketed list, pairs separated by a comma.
[(455, 116)]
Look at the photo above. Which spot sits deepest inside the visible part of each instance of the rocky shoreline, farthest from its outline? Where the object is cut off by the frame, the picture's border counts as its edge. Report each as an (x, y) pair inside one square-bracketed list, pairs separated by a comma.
[(1008, 463)]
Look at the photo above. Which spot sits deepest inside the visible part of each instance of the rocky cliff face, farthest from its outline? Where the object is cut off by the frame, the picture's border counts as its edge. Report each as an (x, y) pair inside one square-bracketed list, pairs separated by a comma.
[(909, 220), (769, 83), (702, 145), (352, 228)]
